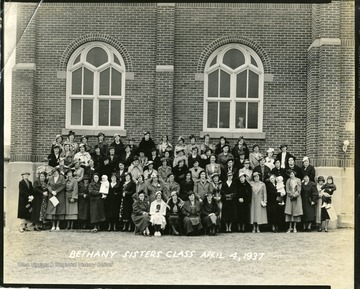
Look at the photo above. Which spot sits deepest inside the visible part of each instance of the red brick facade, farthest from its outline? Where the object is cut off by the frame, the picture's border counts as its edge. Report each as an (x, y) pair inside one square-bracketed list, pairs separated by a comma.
[(306, 50)]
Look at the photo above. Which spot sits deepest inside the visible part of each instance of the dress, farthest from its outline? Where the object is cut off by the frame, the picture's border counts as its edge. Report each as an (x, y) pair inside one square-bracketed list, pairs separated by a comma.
[(24, 207), (208, 208), (158, 213), (293, 205), (244, 191), (228, 193), (71, 191), (127, 200), (97, 210), (37, 213), (141, 220), (58, 212), (113, 201), (191, 212), (258, 213), (83, 202)]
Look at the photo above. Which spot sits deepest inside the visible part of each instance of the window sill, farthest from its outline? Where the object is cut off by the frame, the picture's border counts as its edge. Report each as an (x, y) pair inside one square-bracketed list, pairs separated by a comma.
[(246, 135), (94, 132)]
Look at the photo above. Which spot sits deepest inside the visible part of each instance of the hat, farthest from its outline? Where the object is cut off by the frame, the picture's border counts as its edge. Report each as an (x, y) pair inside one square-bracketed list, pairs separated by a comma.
[(71, 133), (149, 163), (153, 149), (127, 146), (283, 145), (241, 153), (84, 136), (70, 170), (101, 133), (136, 158), (230, 159), (246, 161), (192, 136), (289, 171), (226, 145), (180, 138), (256, 174), (158, 193), (66, 143), (305, 159), (194, 148), (163, 159), (242, 174), (57, 136), (208, 149), (56, 146), (141, 192), (209, 193), (116, 134), (320, 178), (26, 173), (270, 150), (222, 137), (173, 193), (97, 147), (241, 137), (190, 193), (111, 148), (180, 160), (214, 175), (146, 132), (81, 145)]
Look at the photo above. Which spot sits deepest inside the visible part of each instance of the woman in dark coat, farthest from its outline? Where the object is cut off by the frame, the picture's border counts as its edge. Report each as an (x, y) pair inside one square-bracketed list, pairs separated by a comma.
[(24, 204), (147, 144), (56, 188), (243, 200), (127, 157), (174, 213), (98, 159), (97, 209), (240, 148), (191, 211), (39, 202), (307, 169), (128, 190), (54, 157), (118, 145), (228, 193), (309, 196), (186, 186), (140, 214), (84, 202), (275, 212), (210, 214), (278, 170), (112, 202), (180, 171)]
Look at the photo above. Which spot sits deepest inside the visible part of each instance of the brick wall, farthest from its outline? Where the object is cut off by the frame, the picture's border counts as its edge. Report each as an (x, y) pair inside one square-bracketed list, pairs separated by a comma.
[(172, 102)]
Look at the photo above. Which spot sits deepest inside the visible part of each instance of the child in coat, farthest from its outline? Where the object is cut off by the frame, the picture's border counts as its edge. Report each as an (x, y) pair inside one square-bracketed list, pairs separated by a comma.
[(280, 188), (329, 188)]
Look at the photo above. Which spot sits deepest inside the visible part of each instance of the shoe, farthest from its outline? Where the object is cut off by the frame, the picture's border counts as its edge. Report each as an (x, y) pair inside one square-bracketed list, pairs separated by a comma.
[(258, 230), (326, 230), (159, 234), (57, 229), (253, 231), (289, 231), (295, 231), (52, 229), (22, 230)]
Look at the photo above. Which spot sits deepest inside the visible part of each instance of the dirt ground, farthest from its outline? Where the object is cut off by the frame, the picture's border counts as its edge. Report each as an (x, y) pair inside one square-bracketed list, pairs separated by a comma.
[(64, 257)]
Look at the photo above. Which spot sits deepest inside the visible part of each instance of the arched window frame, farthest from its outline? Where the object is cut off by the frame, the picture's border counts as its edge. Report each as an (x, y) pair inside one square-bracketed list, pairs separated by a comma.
[(259, 70), (96, 97)]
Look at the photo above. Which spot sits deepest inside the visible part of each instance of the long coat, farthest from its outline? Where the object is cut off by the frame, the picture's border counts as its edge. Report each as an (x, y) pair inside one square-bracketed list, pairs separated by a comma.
[(228, 193), (244, 191), (192, 220), (40, 201), (71, 209), (208, 208), (83, 202), (309, 194), (258, 213), (97, 209), (128, 189), (201, 188), (112, 202), (24, 207), (141, 220), (274, 210), (293, 205), (58, 212)]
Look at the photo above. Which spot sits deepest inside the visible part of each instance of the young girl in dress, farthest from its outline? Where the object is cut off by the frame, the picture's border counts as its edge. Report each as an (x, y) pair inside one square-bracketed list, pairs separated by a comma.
[(158, 213)]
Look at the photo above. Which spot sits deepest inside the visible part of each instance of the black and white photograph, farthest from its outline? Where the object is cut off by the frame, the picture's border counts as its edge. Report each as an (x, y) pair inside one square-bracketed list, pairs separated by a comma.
[(173, 143)]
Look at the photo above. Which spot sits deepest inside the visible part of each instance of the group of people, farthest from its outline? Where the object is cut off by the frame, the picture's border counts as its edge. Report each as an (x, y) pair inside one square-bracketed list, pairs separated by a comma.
[(182, 189)]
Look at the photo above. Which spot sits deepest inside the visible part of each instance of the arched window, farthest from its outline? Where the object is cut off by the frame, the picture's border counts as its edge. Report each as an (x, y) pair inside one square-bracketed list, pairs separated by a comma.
[(95, 88), (233, 91)]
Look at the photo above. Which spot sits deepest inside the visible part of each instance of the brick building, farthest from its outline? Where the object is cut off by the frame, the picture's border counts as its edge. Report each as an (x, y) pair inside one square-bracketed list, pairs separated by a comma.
[(272, 73)]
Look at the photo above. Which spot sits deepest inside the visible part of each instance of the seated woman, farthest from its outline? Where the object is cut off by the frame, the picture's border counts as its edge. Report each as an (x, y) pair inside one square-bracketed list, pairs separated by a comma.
[(210, 214), (186, 186), (169, 186), (174, 212), (158, 213), (191, 211), (140, 214)]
